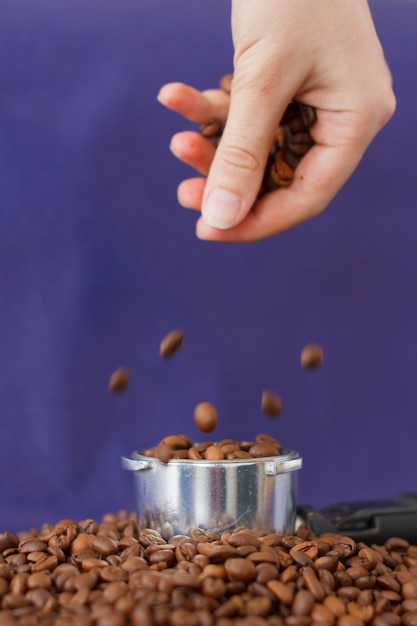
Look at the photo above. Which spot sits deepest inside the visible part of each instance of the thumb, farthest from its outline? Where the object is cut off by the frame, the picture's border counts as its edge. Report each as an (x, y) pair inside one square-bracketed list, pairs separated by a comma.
[(238, 166)]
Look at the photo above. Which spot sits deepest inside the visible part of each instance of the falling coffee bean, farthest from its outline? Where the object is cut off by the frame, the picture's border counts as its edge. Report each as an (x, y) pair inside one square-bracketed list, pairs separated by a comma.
[(205, 417), (312, 356), (119, 380), (171, 343), (271, 403)]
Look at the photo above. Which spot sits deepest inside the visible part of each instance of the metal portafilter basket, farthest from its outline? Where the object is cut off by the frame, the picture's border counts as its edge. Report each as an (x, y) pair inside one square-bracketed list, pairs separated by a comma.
[(175, 497)]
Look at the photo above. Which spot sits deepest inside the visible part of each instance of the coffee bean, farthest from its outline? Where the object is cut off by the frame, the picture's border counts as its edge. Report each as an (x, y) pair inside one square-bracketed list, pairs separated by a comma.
[(8, 540), (312, 356), (263, 449), (177, 442), (409, 618), (171, 343), (211, 129), (194, 454), (240, 569), (303, 602), (119, 380), (281, 591), (205, 417), (281, 173), (214, 453), (271, 403), (163, 452)]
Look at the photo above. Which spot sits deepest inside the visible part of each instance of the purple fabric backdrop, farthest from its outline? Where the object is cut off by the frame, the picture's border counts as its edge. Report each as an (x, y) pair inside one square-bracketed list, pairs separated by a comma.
[(98, 261)]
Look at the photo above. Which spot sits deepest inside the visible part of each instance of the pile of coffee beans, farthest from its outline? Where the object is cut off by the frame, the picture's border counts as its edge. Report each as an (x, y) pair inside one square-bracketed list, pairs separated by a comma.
[(292, 141), (183, 447), (109, 574)]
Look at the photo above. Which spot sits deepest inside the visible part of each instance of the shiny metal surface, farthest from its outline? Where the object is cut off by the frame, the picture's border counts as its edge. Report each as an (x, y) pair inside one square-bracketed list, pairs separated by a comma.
[(183, 494)]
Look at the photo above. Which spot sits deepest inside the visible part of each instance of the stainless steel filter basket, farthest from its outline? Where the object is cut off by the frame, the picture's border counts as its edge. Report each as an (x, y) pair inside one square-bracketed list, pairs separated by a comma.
[(183, 494)]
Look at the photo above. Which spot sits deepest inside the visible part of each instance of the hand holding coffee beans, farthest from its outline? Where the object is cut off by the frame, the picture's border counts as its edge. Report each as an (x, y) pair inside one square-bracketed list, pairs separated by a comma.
[(292, 141)]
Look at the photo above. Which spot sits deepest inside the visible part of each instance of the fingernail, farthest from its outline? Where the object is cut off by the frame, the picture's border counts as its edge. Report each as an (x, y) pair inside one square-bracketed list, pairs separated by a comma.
[(221, 208), (160, 97)]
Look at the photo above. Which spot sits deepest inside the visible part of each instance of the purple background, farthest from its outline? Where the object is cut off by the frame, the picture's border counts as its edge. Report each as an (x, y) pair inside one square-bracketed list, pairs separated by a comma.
[(98, 262)]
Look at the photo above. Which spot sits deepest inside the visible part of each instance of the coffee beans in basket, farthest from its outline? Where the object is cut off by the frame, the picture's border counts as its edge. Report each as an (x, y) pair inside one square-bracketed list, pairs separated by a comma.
[(119, 380), (182, 447), (107, 573), (171, 343)]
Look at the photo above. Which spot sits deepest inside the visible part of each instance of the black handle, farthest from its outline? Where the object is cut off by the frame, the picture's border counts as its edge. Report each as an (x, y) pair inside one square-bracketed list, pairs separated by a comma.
[(370, 522)]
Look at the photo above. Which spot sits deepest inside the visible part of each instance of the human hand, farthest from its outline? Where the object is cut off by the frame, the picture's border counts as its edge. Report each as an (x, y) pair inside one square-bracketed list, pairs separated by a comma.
[(324, 54)]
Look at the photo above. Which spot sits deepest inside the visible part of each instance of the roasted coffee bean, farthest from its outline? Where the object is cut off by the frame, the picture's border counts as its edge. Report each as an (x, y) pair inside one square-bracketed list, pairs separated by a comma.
[(409, 618), (119, 380), (281, 173), (212, 128), (312, 356), (281, 591), (33, 545), (303, 602), (271, 403), (194, 454), (266, 571), (177, 442), (205, 416), (389, 618), (163, 452), (214, 453), (263, 449), (171, 343), (397, 543), (328, 562), (349, 620), (240, 569), (8, 540)]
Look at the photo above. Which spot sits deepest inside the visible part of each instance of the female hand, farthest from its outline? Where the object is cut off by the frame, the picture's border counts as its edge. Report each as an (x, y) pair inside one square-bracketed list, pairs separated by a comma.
[(325, 54)]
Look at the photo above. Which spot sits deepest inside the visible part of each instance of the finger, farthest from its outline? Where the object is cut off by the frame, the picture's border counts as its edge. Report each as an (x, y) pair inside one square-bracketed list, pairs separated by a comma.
[(236, 172), (318, 178), (190, 193), (194, 150), (195, 105)]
